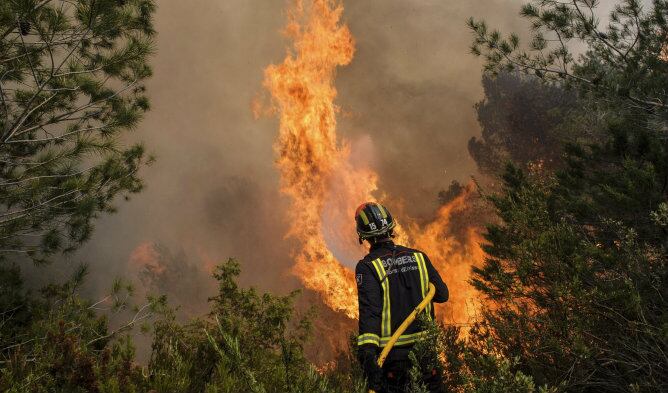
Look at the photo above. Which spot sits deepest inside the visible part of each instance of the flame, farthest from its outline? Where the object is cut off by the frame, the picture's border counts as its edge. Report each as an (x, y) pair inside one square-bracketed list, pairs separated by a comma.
[(310, 160), (145, 256), (321, 180), (453, 258)]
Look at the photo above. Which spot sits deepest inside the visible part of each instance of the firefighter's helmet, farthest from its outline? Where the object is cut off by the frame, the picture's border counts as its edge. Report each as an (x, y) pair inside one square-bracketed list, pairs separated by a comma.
[(373, 220)]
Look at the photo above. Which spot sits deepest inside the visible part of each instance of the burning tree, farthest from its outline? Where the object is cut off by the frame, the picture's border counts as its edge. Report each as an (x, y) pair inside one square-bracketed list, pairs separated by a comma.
[(71, 83)]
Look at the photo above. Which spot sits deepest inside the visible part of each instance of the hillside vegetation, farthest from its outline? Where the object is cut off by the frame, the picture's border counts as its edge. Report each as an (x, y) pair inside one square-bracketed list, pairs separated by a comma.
[(574, 151)]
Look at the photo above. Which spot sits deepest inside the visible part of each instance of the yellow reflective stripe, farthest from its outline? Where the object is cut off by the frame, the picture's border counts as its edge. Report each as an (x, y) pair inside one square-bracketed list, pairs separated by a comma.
[(411, 338), (382, 210), (405, 339), (368, 338), (386, 310), (424, 279), (407, 342), (364, 217), (385, 326), (419, 264)]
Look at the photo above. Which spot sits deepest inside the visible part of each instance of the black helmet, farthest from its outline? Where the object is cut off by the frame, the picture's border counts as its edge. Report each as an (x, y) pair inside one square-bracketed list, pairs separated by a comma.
[(373, 220)]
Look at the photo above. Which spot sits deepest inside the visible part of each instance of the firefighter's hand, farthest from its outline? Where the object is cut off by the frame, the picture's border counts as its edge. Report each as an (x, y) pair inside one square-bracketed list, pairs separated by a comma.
[(375, 380), (373, 373)]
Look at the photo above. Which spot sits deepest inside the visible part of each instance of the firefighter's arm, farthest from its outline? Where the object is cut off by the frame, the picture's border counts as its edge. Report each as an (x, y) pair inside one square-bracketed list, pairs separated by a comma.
[(370, 298), (442, 293)]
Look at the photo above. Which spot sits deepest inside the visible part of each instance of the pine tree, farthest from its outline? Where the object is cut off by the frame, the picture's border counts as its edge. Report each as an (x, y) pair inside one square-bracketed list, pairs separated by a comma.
[(577, 268), (72, 79)]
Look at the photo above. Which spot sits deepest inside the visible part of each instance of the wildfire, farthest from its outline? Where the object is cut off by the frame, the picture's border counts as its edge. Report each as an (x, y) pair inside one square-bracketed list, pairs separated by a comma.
[(452, 258), (309, 157), (145, 256), (317, 173)]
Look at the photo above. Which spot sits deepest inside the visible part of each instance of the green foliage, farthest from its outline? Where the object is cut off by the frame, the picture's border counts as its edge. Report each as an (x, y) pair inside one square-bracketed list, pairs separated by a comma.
[(496, 375), (467, 365), (626, 60), (577, 262), (249, 343), (71, 83), (589, 294), (57, 342), (577, 266)]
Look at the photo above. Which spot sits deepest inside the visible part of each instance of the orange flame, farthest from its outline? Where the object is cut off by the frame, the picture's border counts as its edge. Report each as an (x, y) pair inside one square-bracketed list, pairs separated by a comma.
[(309, 157), (317, 174), (145, 256), (452, 258)]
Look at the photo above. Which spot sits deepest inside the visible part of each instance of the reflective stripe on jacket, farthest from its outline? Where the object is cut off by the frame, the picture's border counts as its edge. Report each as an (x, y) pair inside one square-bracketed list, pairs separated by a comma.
[(391, 282)]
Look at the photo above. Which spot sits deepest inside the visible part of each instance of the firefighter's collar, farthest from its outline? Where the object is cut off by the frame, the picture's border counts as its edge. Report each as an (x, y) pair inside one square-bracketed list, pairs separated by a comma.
[(382, 244)]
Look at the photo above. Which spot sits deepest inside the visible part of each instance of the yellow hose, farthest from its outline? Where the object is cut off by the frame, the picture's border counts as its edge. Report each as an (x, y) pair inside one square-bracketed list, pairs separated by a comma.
[(404, 325)]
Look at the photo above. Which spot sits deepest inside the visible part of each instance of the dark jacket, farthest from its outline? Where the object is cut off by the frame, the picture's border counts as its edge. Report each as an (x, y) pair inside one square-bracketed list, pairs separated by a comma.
[(391, 281)]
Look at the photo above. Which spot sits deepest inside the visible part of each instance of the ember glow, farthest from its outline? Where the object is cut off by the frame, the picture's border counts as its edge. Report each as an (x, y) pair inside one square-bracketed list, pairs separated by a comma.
[(145, 256), (323, 184)]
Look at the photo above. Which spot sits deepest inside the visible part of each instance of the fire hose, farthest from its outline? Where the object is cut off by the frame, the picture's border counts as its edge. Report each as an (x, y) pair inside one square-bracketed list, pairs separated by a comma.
[(404, 325)]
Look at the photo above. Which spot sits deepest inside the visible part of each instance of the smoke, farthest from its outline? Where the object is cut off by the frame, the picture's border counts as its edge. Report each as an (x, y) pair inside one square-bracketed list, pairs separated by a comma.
[(412, 86), (213, 192)]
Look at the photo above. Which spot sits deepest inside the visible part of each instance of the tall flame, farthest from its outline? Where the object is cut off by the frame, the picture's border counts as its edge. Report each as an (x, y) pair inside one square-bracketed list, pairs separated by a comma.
[(452, 257), (316, 170), (309, 157)]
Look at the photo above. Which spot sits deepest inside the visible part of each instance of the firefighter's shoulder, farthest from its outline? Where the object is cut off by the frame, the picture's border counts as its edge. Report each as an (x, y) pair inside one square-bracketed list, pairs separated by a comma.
[(364, 261), (362, 269)]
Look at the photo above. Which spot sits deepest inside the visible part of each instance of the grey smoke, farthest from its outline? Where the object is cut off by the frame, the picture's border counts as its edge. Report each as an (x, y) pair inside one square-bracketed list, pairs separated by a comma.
[(214, 189)]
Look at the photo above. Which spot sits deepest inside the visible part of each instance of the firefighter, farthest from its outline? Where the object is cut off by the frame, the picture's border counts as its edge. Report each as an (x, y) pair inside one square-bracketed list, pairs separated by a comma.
[(391, 281)]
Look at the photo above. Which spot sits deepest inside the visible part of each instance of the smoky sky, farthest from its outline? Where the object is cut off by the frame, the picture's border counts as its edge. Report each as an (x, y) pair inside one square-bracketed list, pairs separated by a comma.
[(412, 86), (213, 190)]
